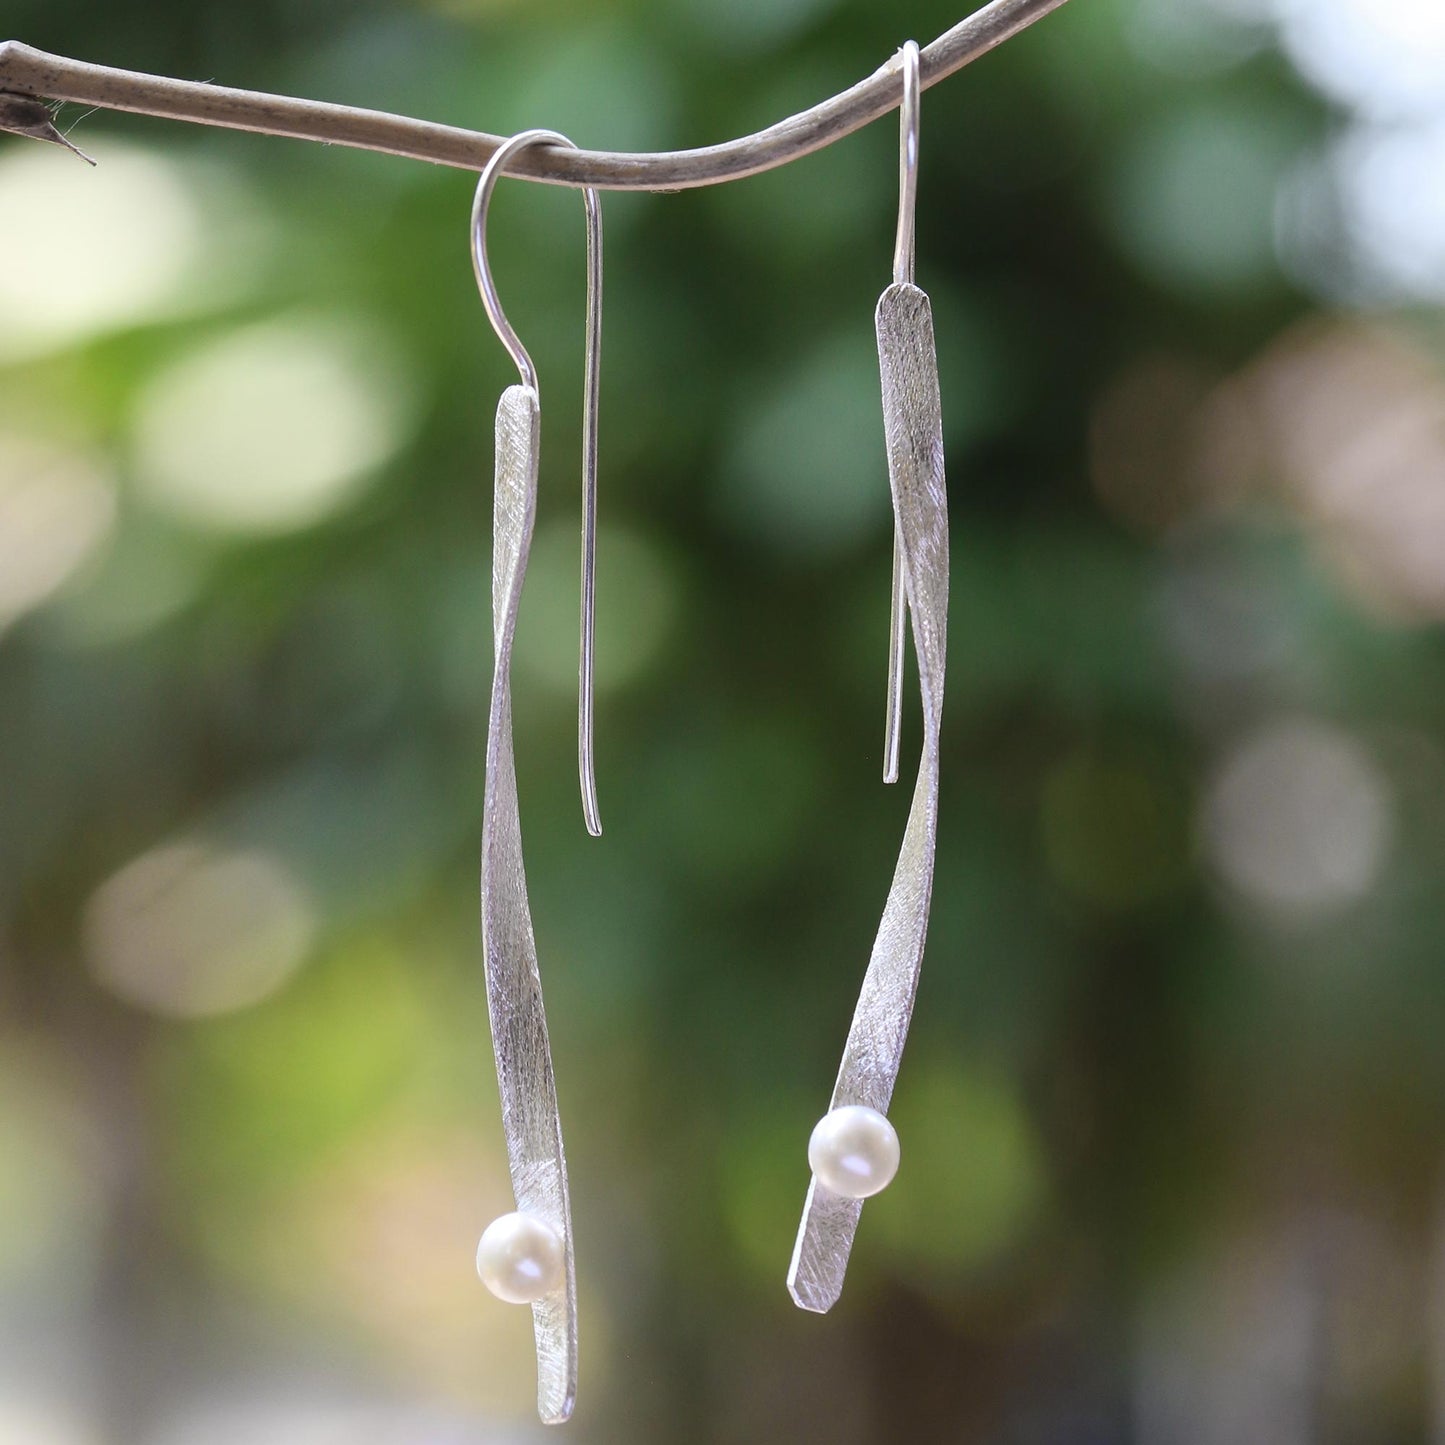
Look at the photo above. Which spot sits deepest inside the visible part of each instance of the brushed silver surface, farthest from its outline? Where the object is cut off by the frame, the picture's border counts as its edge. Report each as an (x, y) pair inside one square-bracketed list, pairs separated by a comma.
[(913, 426), (514, 988)]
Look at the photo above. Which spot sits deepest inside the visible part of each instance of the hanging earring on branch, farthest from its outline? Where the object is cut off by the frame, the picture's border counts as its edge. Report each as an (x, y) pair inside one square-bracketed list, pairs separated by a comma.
[(526, 1257), (854, 1151)]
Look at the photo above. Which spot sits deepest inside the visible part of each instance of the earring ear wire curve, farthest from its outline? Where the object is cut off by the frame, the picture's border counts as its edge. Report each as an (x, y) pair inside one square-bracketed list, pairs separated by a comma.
[(903, 251), (591, 389)]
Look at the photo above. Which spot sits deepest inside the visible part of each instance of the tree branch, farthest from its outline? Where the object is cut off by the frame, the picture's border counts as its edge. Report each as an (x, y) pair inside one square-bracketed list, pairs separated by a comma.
[(25, 71)]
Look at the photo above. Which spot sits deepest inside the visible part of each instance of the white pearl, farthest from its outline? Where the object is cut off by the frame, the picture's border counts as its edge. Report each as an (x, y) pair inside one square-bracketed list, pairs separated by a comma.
[(854, 1151), (520, 1258)]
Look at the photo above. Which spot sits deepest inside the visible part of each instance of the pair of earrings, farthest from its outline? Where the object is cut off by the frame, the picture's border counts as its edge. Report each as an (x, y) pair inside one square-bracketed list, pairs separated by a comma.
[(526, 1256)]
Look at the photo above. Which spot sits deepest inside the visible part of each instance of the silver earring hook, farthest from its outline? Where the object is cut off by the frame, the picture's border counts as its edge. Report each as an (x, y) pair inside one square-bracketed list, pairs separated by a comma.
[(586, 763), (907, 163), (902, 272)]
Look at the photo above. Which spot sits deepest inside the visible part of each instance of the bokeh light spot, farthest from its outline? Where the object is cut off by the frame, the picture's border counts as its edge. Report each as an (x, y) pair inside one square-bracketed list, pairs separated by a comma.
[(36, 1422), (1382, 58), (1355, 417), (1298, 818), (192, 929), (272, 428), (1394, 205), (84, 251), (56, 508)]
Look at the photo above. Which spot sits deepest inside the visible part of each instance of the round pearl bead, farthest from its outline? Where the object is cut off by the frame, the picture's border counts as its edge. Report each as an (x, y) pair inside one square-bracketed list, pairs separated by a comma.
[(520, 1258), (854, 1151)]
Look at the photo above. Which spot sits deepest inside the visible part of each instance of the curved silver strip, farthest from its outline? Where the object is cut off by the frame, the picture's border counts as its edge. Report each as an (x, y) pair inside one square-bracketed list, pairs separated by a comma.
[(912, 414), (514, 988)]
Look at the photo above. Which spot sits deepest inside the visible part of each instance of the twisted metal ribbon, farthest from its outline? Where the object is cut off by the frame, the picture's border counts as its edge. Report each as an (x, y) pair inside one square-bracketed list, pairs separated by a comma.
[(525, 1082), (913, 424)]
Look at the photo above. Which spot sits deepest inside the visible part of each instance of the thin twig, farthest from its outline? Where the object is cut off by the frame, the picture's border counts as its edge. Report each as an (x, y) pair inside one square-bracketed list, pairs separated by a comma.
[(28, 72), (24, 115)]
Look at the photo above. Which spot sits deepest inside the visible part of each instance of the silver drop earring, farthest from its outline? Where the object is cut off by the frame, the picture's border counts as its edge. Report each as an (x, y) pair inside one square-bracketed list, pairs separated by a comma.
[(526, 1257), (854, 1151)]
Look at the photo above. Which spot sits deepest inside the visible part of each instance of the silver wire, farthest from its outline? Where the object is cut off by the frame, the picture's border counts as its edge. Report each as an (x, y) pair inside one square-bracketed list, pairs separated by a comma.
[(586, 762), (897, 641), (907, 163), (903, 250), (591, 409)]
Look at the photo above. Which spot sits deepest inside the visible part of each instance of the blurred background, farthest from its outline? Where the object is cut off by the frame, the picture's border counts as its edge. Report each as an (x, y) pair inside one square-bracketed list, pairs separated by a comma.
[(1171, 1107)]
